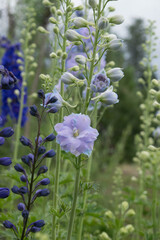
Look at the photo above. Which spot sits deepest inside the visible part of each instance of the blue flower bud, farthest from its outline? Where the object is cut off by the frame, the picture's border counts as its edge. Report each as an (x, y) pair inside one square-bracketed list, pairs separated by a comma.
[(41, 94), (44, 181), (15, 189), (38, 223), (40, 140), (51, 100), (100, 82), (5, 161), (25, 214), (19, 168), (8, 224), (50, 137), (51, 153), (6, 132), (21, 207), (42, 192), (4, 192), (23, 190), (41, 150), (25, 141), (23, 178), (2, 140), (52, 110), (42, 169), (35, 229), (33, 111)]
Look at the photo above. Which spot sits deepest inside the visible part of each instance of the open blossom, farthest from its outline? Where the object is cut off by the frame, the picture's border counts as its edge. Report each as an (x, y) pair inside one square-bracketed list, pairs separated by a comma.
[(75, 134), (100, 82)]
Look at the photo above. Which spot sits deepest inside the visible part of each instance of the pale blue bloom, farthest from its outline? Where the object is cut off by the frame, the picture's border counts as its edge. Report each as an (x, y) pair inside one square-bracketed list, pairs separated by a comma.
[(75, 134), (100, 82)]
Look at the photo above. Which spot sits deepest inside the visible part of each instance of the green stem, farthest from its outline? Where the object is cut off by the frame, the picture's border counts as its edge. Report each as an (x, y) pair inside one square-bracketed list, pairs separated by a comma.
[(73, 209), (154, 207), (56, 190), (80, 225)]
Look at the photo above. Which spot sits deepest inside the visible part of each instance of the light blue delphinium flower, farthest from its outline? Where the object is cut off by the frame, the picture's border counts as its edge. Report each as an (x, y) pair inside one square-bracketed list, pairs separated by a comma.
[(100, 82), (75, 134), (56, 104)]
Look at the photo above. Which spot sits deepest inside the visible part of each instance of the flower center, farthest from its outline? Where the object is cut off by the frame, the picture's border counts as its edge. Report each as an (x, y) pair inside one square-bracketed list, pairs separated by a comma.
[(75, 132)]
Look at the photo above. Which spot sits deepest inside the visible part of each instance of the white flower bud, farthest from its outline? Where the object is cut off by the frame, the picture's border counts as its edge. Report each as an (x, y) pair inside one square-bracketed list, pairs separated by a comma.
[(73, 36), (80, 22), (80, 59), (42, 29), (129, 228), (117, 19), (16, 92), (115, 44), (68, 78), (103, 23), (93, 3), (115, 74)]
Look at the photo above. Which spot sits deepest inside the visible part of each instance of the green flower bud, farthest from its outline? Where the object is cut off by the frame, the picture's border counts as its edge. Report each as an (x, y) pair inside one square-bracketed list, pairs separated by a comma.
[(59, 53), (56, 30), (31, 73), (133, 179), (111, 9), (34, 65), (64, 55), (109, 214), (155, 82), (144, 155), (117, 19), (9, 100), (52, 20), (129, 228), (73, 36), (79, 8), (74, 68), (130, 213), (53, 10), (158, 96), (53, 55), (124, 206), (93, 3), (80, 59), (42, 29), (152, 148), (104, 236), (59, 12), (103, 23), (19, 61), (47, 3)]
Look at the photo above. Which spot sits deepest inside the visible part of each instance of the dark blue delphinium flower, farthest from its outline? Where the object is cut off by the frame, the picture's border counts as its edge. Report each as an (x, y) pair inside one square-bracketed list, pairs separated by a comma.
[(4, 192), (5, 161), (8, 224), (6, 132), (9, 61), (21, 207), (42, 169), (25, 141)]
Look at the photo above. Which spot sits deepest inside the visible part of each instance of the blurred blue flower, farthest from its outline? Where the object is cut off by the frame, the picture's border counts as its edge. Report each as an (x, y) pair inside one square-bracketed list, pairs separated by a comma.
[(75, 134), (10, 100), (100, 82)]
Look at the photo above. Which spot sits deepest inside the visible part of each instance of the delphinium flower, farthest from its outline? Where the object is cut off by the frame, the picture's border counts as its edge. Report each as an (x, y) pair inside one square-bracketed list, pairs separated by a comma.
[(31, 171), (75, 134), (100, 82)]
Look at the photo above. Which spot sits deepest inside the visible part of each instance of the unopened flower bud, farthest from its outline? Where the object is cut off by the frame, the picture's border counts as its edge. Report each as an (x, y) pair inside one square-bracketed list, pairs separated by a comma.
[(53, 10), (130, 213), (68, 78), (52, 20), (79, 8), (103, 23), (59, 53), (117, 19), (59, 12), (93, 3), (64, 55), (80, 22), (74, 68), (124, 206), (56, 30), (80, 59), (104, 236), (109, 214), (42, 29), (115, 74), (53, 55), (47, 3), (115, 44), (73, 36)]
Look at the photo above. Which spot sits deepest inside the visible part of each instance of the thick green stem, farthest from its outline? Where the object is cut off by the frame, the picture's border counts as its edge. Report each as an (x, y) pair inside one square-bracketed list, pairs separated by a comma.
[(73, 209)]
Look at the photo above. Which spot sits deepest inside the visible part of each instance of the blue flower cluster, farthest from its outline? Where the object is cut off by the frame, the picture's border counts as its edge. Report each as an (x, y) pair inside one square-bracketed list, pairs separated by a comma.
[(31, 170), (10, 98)]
